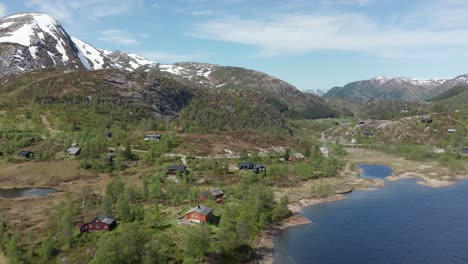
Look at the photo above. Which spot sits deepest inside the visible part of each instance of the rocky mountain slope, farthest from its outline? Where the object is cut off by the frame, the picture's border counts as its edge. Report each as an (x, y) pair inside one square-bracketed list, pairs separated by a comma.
[(37, 43), (403, 89), (31, 41), (451, 100)]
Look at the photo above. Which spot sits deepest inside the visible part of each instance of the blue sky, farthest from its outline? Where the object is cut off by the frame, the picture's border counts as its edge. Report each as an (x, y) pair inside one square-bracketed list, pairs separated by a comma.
[(311, 44)]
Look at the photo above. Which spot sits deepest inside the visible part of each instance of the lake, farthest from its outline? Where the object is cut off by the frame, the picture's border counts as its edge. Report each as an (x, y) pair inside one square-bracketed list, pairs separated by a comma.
[(25, 192), (401, 223)]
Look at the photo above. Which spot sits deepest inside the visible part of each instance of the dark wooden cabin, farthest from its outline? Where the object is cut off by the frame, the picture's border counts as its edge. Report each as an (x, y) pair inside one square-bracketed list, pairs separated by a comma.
[(176, 169), (99, 223), (153, 137), (26, 154), (74, 151), (259, 168), (426, 119), (216, 194), (464, 151), (245, 166)]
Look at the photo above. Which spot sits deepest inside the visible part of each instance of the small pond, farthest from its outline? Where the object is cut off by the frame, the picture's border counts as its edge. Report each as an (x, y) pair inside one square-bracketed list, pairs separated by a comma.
[(25, 192), (374, 171)]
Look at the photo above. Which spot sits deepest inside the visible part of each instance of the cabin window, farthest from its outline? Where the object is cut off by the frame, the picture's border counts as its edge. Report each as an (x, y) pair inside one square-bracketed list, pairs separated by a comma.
[(194, 215), (97, 226), (90, 226), (105, 227)]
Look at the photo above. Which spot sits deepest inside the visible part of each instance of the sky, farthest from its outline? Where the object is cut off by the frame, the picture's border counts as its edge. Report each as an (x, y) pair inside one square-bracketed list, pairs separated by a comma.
[(312, 44)]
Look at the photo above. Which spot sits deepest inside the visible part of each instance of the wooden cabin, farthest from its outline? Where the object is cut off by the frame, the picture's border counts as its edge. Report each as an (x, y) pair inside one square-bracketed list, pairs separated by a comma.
[(464, 151), (99, 223), (176, 169), (245, 166), (426, 119), (153, 137), (199, 214), (368, 133), (259, 168), (74, 151), (216, 194), (26, 154)]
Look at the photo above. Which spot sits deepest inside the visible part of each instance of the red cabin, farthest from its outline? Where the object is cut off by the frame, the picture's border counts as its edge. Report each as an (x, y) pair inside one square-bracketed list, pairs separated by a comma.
[(199, 214), (216, 194), (98, 224)]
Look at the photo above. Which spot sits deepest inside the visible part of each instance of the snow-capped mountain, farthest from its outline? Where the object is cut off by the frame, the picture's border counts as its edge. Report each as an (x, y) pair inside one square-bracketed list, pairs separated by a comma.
[(318, 92), (404, 89), (30, 41)]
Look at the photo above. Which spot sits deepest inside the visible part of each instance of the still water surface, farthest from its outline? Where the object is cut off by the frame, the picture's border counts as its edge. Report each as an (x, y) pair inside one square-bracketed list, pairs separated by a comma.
[(25, 192), (401, 223)]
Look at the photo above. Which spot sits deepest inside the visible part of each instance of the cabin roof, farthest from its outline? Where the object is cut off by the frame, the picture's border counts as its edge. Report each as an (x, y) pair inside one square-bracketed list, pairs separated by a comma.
[(105, 219), (200, 209), (176, 167), (246, 164), (216, 192), (73, 150), (259, 166)]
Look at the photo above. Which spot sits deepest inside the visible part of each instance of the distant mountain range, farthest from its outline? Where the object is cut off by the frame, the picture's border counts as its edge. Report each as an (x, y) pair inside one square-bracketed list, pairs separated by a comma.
[(402, 89), (318, 92)]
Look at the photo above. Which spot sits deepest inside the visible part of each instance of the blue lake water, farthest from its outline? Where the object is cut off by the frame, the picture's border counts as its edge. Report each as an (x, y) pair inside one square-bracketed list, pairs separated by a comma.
[(401, 223)]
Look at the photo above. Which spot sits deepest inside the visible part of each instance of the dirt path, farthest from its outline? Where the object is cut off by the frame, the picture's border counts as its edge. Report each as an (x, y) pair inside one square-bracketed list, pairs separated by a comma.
[(47, 125), (3, 259)]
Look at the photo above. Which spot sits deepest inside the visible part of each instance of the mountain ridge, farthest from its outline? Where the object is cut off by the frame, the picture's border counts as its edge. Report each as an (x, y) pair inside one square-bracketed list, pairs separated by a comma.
[(30, 41), (397, 88)]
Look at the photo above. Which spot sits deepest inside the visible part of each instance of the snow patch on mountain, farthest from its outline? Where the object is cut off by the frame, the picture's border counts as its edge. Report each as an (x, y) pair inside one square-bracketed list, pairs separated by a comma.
[(88, 53), (414, 81)]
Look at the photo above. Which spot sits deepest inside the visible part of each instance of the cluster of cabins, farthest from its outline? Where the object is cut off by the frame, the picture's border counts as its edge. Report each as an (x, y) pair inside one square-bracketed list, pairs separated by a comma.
[(257, 168)]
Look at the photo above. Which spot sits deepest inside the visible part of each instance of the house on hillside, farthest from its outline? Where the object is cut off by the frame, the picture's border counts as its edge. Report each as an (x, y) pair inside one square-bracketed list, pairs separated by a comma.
[(110, 157), (246, 166), (451, 130), (199, 214), (361, 122), (259, 168), (26, 154), (153, 137), (74, 151), (99, 223), (426, 119), (368, 133), (176, 169), (464, 151), (216, 194)]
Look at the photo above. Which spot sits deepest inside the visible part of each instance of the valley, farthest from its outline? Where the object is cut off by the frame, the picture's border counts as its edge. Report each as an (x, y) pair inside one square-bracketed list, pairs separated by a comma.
[(194, 162)]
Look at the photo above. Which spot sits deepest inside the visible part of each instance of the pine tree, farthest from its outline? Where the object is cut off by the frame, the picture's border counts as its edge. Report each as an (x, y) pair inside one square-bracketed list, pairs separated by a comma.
[(12, 251), (123, 207)]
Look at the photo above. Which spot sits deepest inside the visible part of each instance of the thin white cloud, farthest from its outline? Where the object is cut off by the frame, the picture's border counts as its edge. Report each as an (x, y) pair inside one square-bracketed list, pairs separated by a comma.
[(346, 2), (3, 10), (297, 33), (90, 9), (117, 36), (170, 57), (202, 13)]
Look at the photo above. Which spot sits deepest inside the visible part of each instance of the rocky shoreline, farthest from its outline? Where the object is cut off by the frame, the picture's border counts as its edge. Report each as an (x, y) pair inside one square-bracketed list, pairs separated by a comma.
[(443, 181), (265, 246)]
